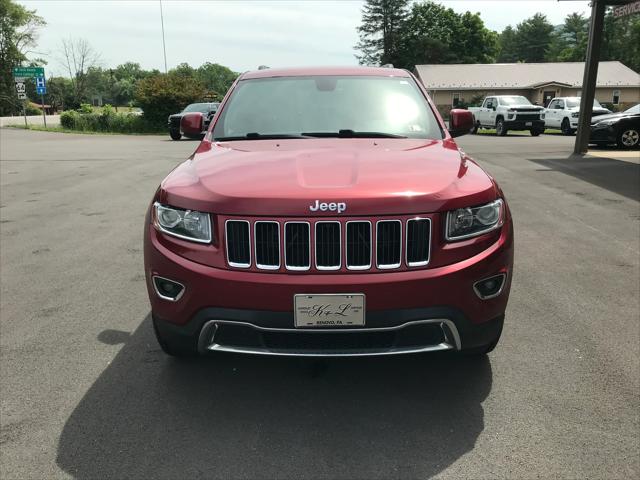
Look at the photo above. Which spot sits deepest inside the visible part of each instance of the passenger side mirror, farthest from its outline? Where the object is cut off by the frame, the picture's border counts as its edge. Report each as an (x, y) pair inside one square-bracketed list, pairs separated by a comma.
[(460, 122)]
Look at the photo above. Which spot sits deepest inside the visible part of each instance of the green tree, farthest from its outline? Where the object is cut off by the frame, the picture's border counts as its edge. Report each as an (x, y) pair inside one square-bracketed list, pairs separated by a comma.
[(216, 79), (507, 46), (428, 34), (183, 70), (530, 41), (80, 60), (381, 31), (433, 33), (569, 41), (130, 71), (533, 38), (621, 40), (474, 43), (161, 95), (18, 35), (59, 93)]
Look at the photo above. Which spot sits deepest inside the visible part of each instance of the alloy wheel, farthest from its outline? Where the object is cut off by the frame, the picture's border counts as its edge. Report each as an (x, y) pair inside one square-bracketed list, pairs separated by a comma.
[(630, 138)]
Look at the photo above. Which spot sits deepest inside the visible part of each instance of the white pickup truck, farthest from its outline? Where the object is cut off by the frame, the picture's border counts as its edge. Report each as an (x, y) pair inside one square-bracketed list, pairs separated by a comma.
[(509, 112), (563, 113)]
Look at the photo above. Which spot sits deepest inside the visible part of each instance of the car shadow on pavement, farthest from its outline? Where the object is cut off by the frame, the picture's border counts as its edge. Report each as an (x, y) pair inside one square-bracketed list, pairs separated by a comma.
[(228, 416), (614, 175)]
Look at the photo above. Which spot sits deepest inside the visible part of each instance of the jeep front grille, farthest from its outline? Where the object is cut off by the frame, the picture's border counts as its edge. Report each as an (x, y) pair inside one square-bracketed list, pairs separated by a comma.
[(358, 245), (328, 245), (389, 244), (418, 233), (297, 243), (267, 245)]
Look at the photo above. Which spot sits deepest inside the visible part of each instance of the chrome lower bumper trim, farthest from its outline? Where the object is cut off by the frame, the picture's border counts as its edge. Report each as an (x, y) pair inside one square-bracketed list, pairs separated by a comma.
[(207, 341)]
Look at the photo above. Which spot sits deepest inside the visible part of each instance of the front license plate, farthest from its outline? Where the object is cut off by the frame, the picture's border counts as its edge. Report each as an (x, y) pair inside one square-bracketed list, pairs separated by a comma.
[(329, 310), (528, 124)]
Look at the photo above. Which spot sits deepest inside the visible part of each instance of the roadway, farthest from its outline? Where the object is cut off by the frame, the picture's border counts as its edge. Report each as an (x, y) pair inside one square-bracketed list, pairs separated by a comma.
[(86, 392)]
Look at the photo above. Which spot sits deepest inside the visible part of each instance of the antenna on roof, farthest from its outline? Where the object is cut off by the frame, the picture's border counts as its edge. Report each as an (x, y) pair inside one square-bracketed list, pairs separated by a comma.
[(263, 67), (387, 65)]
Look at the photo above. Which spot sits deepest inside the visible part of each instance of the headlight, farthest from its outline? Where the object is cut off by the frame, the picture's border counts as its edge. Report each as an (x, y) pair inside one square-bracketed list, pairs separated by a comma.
[(575, 114), (471, 222), (186, 224), (606, 123)]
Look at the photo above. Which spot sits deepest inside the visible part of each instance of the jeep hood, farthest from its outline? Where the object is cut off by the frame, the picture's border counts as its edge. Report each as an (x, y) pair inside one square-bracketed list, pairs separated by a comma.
[(285, 177)]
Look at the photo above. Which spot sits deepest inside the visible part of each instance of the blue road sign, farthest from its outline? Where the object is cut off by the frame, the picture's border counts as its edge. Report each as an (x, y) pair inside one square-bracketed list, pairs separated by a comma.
[(41, 86)]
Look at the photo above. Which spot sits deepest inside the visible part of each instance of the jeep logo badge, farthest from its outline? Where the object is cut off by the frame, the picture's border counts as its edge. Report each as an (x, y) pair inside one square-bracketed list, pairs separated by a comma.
[(331, 207)]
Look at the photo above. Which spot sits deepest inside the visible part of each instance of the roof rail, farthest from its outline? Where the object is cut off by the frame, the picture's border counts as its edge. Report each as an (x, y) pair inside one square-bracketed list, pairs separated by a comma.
[(263, 67)]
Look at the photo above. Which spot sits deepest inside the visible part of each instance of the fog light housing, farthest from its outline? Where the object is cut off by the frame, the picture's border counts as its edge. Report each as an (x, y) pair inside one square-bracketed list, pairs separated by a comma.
[(490, 287), (167, 289)]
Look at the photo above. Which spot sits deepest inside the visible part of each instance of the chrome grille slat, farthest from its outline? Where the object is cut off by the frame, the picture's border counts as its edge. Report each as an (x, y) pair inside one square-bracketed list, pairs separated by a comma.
[(297, 245), (239, 247), (398, 243), (328, 247), (358, 245), (267, 245), (418, 247), (388, 244)]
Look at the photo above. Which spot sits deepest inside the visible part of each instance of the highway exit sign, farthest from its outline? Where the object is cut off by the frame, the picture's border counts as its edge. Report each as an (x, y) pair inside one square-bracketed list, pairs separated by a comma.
[(28, 72)]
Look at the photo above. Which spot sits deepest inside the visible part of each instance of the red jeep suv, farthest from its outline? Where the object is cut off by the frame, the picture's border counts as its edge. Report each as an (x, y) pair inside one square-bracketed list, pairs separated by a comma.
[(329, 212)]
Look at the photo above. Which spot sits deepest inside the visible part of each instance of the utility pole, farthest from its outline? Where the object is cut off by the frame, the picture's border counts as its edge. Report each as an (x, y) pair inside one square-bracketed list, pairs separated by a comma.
[(164, 47), (596, 24)]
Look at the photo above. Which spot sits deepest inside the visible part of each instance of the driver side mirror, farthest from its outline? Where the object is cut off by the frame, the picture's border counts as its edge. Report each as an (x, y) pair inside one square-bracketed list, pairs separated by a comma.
[(460, 122)]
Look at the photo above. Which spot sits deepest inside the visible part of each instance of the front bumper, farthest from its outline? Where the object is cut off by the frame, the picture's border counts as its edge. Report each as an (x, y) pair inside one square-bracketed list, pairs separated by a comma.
[(605, 134), (261, 304), (523, 124)]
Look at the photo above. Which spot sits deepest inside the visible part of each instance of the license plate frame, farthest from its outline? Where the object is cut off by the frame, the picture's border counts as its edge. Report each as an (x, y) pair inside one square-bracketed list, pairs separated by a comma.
[(329, 310)]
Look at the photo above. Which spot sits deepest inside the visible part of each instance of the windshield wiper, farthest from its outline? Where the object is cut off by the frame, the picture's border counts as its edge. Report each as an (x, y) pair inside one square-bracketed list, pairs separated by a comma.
[(260, 136), (352, 134)]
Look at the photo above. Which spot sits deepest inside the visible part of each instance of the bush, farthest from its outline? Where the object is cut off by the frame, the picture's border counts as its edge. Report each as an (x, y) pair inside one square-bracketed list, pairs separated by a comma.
[(85, 108), (161, 95), (107, 121), (68, 119), (32, 110)]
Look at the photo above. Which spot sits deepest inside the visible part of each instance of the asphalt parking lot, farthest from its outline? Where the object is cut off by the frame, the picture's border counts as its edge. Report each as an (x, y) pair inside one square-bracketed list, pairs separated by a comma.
[(86, 392)]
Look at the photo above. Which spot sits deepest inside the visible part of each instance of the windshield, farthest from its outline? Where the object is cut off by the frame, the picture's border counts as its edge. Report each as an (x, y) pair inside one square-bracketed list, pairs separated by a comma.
[(326, 106), (635, 109), (199, 107), (515, 100), (575, 102)]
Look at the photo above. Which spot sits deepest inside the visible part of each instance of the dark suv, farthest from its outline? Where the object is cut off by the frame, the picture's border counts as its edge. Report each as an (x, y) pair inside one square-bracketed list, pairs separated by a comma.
[(198, 124)]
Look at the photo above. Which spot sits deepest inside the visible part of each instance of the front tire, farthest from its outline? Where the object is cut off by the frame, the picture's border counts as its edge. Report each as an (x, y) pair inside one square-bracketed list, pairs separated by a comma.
[(475, 129), (175, 134), (565, 127), (628, 138), (501, 128), (535, 132), (172, 344)]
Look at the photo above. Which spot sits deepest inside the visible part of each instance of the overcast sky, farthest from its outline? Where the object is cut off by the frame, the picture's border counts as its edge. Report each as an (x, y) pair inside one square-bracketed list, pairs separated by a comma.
[(239, 34)]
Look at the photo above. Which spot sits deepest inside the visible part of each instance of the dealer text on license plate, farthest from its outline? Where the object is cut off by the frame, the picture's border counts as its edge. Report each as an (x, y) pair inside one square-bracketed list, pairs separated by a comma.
[(328, 310)]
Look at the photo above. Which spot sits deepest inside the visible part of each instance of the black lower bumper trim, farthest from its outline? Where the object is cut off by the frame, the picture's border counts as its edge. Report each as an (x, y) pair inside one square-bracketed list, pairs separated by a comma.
[(470, 335)]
